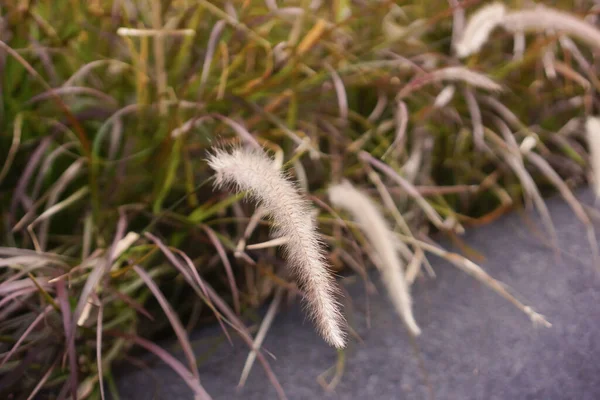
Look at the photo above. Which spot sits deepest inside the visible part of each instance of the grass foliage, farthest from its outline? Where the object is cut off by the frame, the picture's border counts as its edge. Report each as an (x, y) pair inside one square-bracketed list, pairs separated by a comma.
[(112, 234)]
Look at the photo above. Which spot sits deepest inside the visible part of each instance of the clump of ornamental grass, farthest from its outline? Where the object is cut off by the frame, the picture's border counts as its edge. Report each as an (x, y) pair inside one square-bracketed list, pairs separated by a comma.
[(112, 237)]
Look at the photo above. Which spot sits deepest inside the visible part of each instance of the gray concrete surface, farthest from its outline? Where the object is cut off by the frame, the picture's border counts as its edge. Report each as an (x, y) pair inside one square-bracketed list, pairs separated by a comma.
[(475, 345)]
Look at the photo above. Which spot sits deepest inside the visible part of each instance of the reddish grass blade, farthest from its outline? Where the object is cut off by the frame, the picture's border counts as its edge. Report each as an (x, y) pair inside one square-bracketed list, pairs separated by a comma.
[(24, 335), (69, 328), (184, 271), (133, 304), (42, 381), (168, 359), (221, 251), (99, 349), (173, 319), (239, 326), (99, 271)]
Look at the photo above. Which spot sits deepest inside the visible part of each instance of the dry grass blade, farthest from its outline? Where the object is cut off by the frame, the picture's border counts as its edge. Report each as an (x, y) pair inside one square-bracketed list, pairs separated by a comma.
[(13, 147), (260, 335), (69, 330), (15, 295), (61, 184), (99, 348), (24, 335), (143, 33), (240, 130), (433, 216), (173, 319), (133, 304), (401, 121), (513, 158), (14, 283), (340, 91), (85, 70), (72, 91), (504, 112), (31, 261), (215, 34), (476, 120), (159, 54), (42, 381), (452, 74), (58, 207), (189, 378), (32, 164), (380, 106), (176, 263), (47, 165), (254, 220), (389, 203), (414, 266), (254, 172), (230, 277), (16, 252), (270, 243), (478, 273), (239, 326), (99, 271), (567, 44), (570, 74), (194, 279), (569, 197), (81, 135)]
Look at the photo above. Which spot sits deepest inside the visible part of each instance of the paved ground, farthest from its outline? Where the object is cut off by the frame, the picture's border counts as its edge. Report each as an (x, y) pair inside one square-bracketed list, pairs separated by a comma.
[(475, 345)]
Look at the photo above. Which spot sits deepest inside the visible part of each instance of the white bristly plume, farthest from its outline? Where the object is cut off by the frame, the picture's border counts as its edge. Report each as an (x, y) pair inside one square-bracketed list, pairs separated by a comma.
[(376, 230), (592, 127), (481, 23), (542, 19), (253, 172)]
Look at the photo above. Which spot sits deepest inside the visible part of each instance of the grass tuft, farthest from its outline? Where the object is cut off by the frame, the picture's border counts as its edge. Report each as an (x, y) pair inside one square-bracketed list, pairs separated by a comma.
[(111, 236)]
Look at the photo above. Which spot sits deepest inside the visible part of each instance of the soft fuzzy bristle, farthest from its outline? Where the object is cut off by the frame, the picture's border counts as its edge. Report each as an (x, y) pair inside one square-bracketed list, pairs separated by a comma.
[(253, 172), (592, 126), (463, 74), (478, 29), (541, 19), (379, 235)]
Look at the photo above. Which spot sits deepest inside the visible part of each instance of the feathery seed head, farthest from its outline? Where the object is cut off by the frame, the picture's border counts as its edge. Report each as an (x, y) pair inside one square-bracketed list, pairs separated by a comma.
[(252, 171), (542, 19), (478, 29), (592, 126), (378, 233)]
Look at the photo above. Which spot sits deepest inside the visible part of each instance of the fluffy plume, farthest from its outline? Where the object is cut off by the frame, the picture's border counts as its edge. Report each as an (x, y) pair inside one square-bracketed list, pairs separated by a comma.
[(253, 172), (451, 74), (543, 18), (444, 97), (592, 127), (377, 231), (537, 19), (462, 74), (478, 29)]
